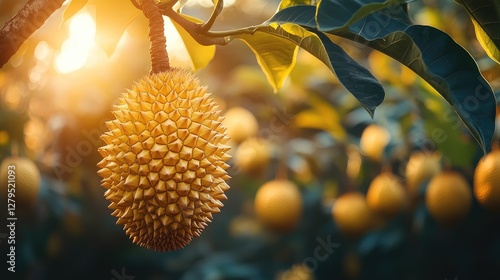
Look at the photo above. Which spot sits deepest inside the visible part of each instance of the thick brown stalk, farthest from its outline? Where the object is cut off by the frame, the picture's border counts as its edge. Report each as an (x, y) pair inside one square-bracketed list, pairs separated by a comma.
[(158, 48), (26, 21)]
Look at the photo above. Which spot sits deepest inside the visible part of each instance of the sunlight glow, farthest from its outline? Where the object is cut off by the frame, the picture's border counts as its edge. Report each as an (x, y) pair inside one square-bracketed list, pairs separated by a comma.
[(209, 3), (42, 50), (175, 45), (74, 51)]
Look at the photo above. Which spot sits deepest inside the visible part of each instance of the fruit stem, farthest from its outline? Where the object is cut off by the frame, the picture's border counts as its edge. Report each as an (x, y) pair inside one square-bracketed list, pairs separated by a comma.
[(158, 47), (282, 168), (14, 149), (495, 145), (386, 167)]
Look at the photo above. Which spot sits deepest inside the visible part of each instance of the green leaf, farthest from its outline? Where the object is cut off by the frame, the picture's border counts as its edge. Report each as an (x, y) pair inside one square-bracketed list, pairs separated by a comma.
[(112, 19), (275, 55), (73, 7), (430, 53), (289, 3), (338, 14), (323, 117), (485, 15), (488, 44), (445, 65), (446, 131), (200, 55), (356, 78), (380, 23)]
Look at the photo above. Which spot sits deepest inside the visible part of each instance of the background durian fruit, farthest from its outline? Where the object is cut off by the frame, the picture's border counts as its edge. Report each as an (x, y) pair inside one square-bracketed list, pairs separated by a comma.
[(448, 198), (297, 271), (352, 214), (26, 180), (278, 205), (487, 181), (253, 156), (421, 166), (373, 141), (386, 195), (240, 123), (164, 160)]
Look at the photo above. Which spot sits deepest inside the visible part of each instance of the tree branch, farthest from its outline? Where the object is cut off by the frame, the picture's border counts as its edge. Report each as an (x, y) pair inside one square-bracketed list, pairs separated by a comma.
[(26, 21), (215, 13), (206, 37)]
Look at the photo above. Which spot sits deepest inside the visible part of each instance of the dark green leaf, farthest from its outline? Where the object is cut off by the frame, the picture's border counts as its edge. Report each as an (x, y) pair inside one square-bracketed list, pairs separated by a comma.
[(446, 131), (464, 87), (381, 23), (356, 78), (485, 15), (430, 53), (338, 14), (289, 3)]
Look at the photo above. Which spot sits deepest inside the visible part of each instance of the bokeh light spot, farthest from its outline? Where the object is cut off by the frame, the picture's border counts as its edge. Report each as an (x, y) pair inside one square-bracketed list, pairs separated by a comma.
[(74, 51)]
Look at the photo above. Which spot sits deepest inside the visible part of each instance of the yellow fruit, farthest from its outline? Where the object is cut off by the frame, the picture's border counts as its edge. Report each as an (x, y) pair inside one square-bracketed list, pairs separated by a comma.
[(448, 198), (241, 124), (20, 176), (386, 195), (373, 141), (252, 156), (352, 214), (487, 181), (164, 163), (421, 167), (296, 272), (278, 204), (4, 137)]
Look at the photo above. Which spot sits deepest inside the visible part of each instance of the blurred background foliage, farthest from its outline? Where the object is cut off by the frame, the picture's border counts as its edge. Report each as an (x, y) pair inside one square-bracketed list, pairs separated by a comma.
[(55, 98)]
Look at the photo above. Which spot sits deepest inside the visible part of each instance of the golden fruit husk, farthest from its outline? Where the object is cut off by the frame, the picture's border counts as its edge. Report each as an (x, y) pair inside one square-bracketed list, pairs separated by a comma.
[(448, 198), (487, 181), (164, 160), (386, 195)]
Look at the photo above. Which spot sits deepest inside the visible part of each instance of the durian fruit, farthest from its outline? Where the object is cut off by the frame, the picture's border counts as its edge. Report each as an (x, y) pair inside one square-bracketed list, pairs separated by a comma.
[(253, 156), (241, 124), (20, 176), (164, 160), (297, 271)]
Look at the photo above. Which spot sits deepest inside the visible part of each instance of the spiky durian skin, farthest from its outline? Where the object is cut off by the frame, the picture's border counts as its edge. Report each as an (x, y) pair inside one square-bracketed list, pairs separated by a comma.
[(164, 160)]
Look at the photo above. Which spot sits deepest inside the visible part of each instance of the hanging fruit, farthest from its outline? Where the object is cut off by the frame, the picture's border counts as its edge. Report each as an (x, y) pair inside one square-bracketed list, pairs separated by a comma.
[(164, 160)]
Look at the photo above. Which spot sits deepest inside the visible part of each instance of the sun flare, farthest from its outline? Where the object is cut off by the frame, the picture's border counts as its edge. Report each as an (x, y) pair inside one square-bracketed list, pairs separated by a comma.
[(74, 51)]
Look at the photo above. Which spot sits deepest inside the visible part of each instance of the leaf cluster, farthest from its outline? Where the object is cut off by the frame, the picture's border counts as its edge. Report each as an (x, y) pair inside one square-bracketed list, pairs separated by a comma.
[(383, 25)]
